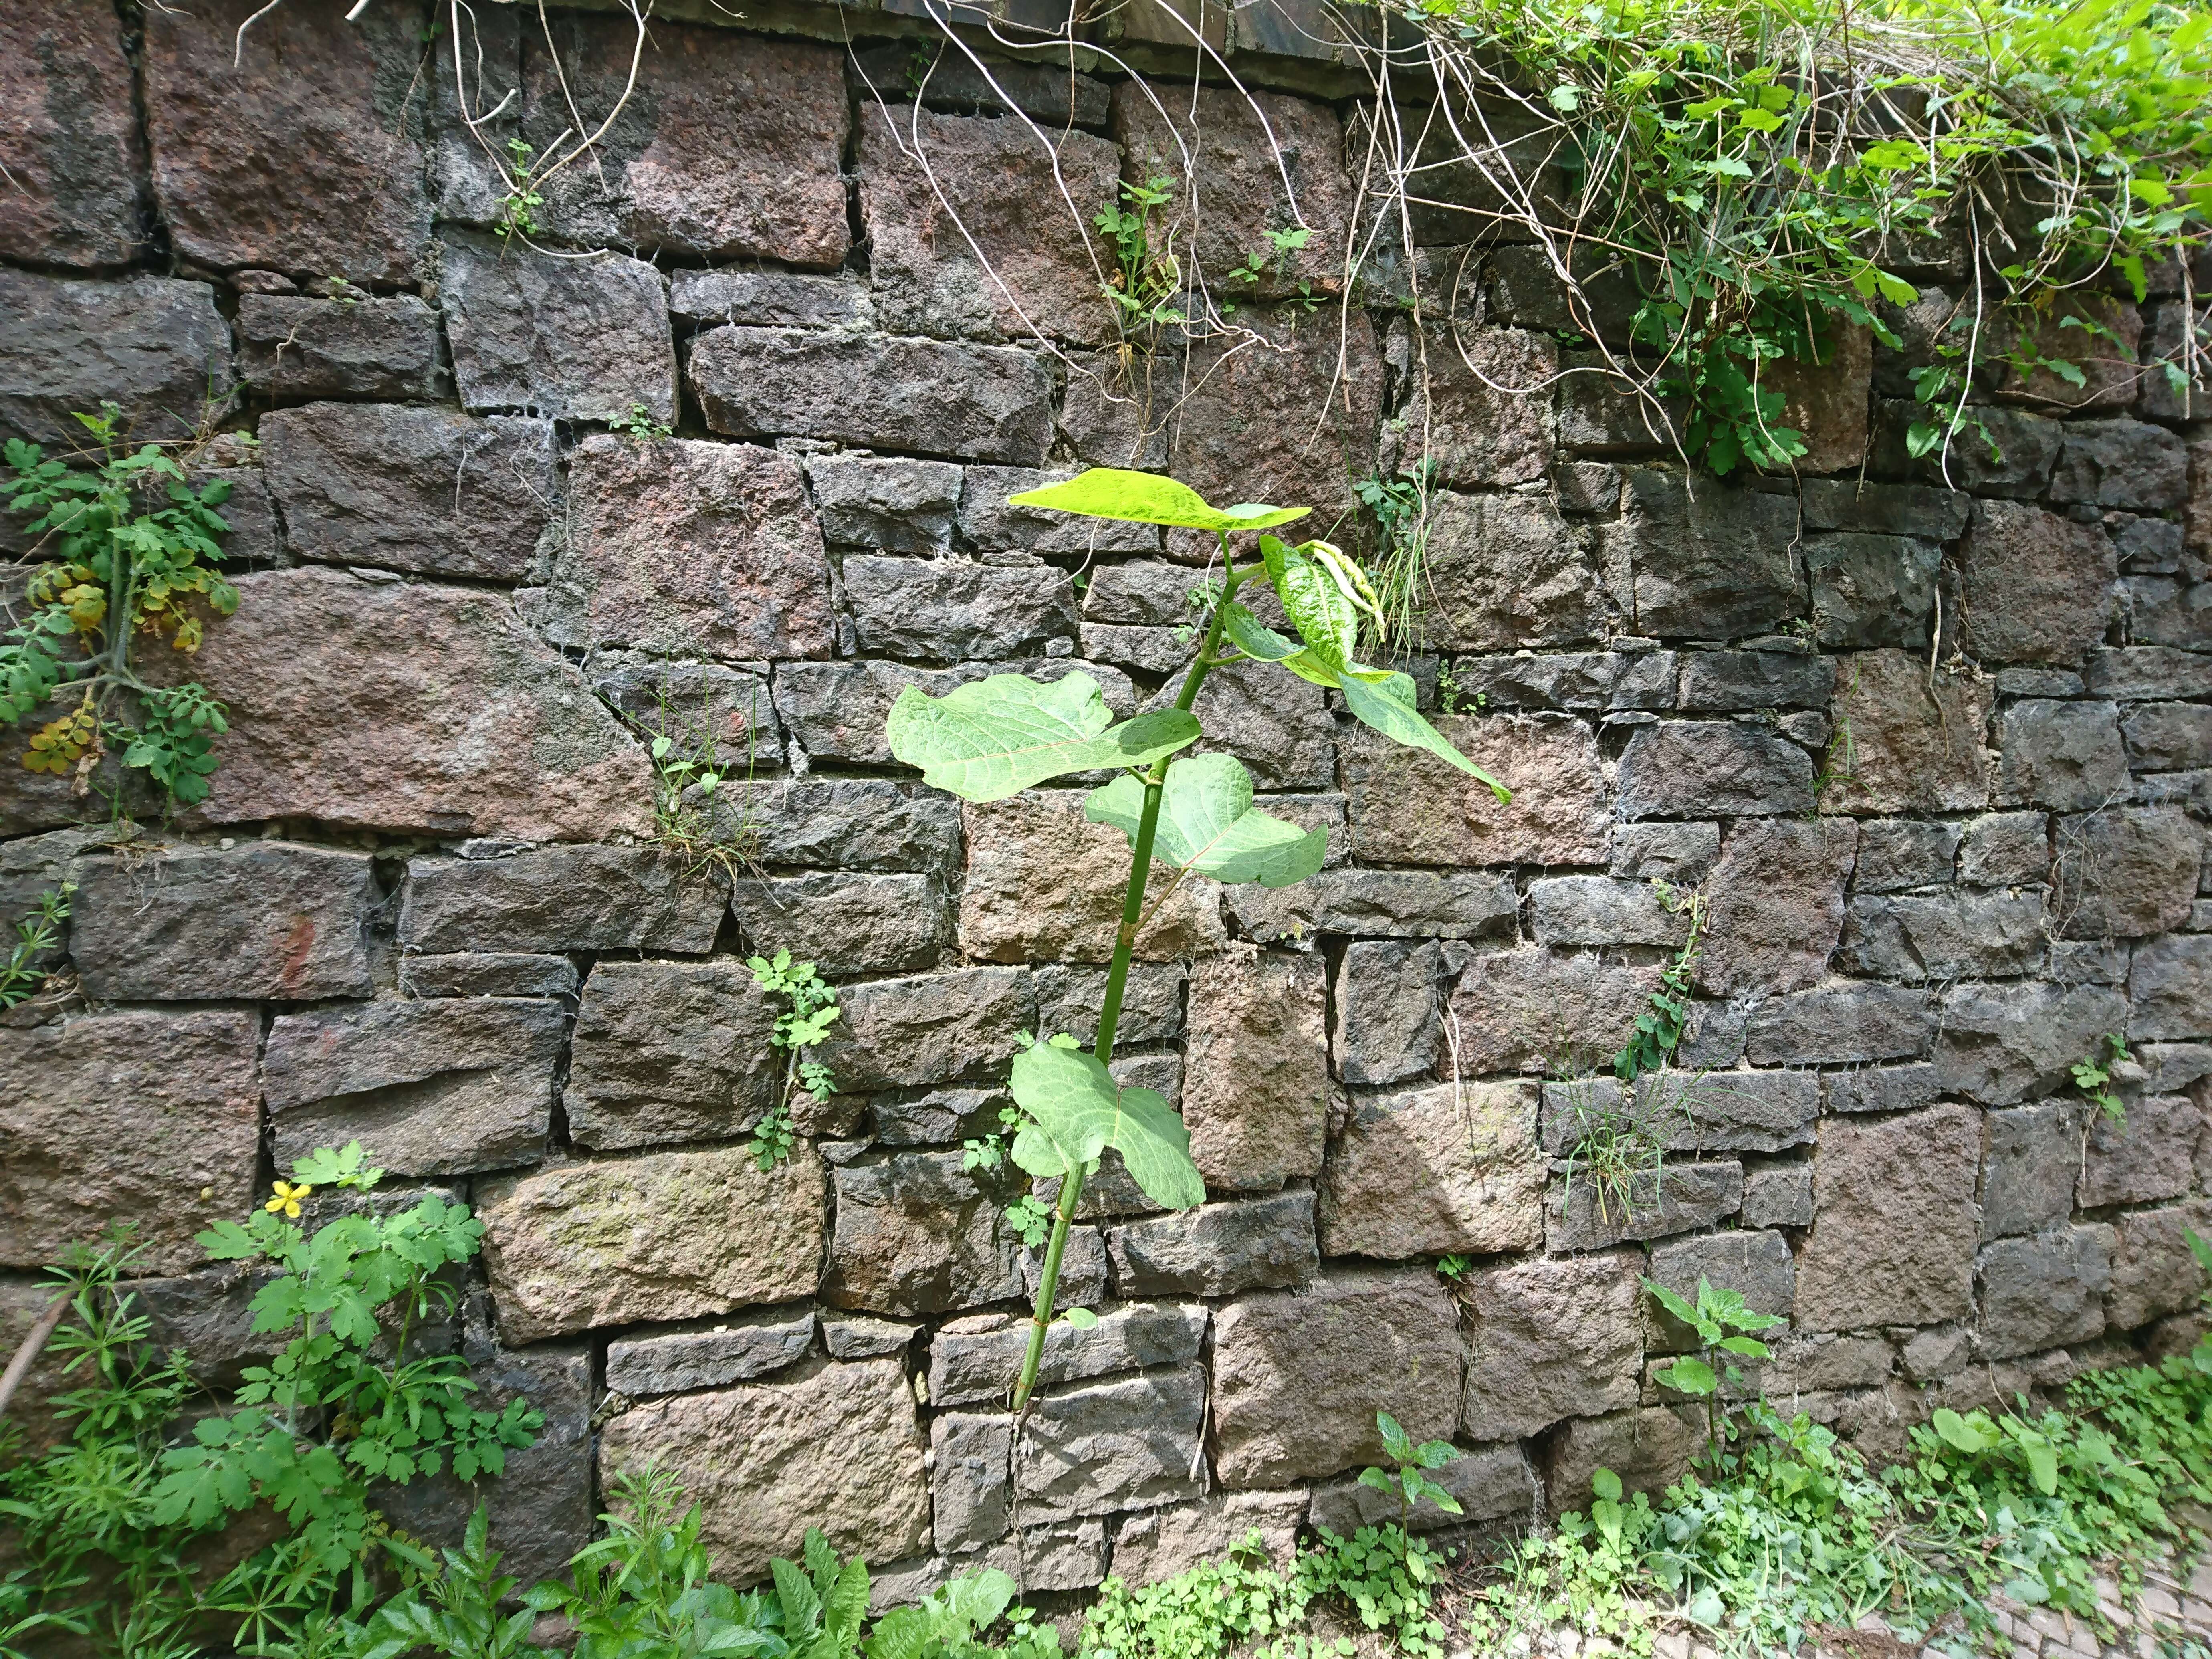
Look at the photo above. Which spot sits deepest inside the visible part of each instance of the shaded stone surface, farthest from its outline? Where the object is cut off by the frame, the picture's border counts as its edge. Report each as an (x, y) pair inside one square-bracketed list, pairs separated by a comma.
[(2141, 1157), (304, 154), (1778, 905), (1908, 750), (2038, 1292), (293, 347), (1409, 807), (474, 728), (2124, 872), (1297, 1379), (978, 1358), (918, 1234), (1943, 937), (660, 1236), (1894, 1226), (2154, 1272), (1677, 1199), (2029, 1166), (424, 491), (1482, 403), (266, 919), (1841, 1022), (1161, 1543), (134, 1117), (579, 340), (948, 611), (1531, 1008), (1126, 1445), (2036, 587), (849, 924), (153, 345), (561, 898), (1456, 1168), (1509, 572), (1650, 1449), (1693, 768), (679, 548), (2001, 1043), (929, 1028), (72, 145), (1218, 1250), (2170, 988), (2062, 755), (680, 1361), (1549, 1339), (1716, 564), (428, 1088), (836, 1449), (1045, 883), (669, 1051), (1256, 1093), (1755, 1265), (965, 402)]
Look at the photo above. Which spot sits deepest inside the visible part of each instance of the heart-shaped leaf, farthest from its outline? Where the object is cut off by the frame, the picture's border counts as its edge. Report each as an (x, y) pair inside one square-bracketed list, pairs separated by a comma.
[(996, 737), (1107, 492), (1077, 1111), (1208, 824)]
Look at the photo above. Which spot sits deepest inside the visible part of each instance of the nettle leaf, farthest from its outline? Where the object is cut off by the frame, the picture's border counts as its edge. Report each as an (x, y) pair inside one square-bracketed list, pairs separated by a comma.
[(1208, 824), (996, 737), (1107, 492), (1077, 1111)]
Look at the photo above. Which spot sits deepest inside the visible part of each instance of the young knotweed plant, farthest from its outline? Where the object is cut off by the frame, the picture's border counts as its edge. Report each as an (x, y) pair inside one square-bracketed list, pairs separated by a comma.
[(1724, 1325), (994, 738), (1408, 1482)]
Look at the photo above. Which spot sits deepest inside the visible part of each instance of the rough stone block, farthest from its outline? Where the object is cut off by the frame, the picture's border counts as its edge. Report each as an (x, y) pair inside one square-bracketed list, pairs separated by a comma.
[(1883, 509), (1894, 1226), (2131, 463), (1871, 590), (929, 1028), (836, 1448), (1719, 682), (1650, 1449), (1679, 1199), (968, 230), (2159, 611), (1386, 1027), (2144, 673), (1255, 1087), (932, 397), (575, 340), (1715, 565), (561, 898), (2001, 849), (918, 1234), (1896, 854), (1568, 679), (1488, 1483), (1757, 1265), (1779, 1197), (298, 150), (886, 503), (2036, 587), (1778, 905), (2142, 1158), (127, 1116), (2062, 755), (1693, 768), (1242, 163), (680, 1361), (73, 145), (293, 347), (430, 1088), (1299, 1378), (474, 728), (1140, 591), (979, 1358), (1131, 1444), (1410, 905), (949, 610), (847, 924), (971, 1479), (1569, 910), (681, 547), (1733, 1111), (1046, 883), (210, 1314), (669, 1051), (1456, 1168), (663, 1236), (2168, 737), (1068, 999), (2001, 1043), (426, 490), (1906, 753), (487, 974), (1551, 1340), (2154, 1272), (2029, 1163), (2169, 988), (2124, 872), (1279, 727), (1409, 807), (1159, 1543), (1958, 935), (2038, 1292), (1525, 1009), (266, 919), (1218, 1249), (940, 1117), (859, 1336), (715, 715), (1482, 401), (770, 298), (1509, 572), (1680, 854), (155, 347)]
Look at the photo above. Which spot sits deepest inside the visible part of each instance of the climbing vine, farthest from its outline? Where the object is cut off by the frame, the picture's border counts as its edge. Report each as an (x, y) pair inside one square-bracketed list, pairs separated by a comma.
[(132, 544)]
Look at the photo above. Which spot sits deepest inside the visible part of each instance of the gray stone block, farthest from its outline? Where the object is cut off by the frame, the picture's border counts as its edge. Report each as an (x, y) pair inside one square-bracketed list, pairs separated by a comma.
[(2038, 1292), (1387, 1012), (1894, 1226), (770, 298), (2028, 1165), (887, 504), (1841, 1022), (850, 823), (1682, 854), (1756, 1264), (487, 974), (1093, 1449), (2146, 673), (1899, 853), (1715, 565), (1551, 1340), (845, 924), (2002, 1043), (1683, 1198), (1413, 903), (1779, 1197), (860, 1336), (2131, 463), (711, 713), (2002, 849), (2143, 1157), (1887, 509), (669, 1051), (989, 524), (2170, 988), (1218, 1250), (1602, 910), (2062, 755), (2168, 737), (2125, 873), (1489, 1483), (1454, 1168), (950, 611), (979, 1358), (916, 1235), (561, 898), (1576, 680), (1721, 682), (1884, 1088), (642, 1366), (1947, 936), (1694, 769), (156, 346), (378, 347), (971, 1479)]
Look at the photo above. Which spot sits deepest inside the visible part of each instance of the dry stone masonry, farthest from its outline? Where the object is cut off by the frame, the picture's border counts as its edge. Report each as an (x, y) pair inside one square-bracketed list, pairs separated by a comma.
[(1936, 746)]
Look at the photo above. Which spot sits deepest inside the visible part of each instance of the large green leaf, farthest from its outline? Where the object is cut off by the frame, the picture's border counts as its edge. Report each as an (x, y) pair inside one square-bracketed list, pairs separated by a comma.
[(1384, 701), (1107, 492), (1318, 607), (1208, 824), (994, 738), (1077, 1111)]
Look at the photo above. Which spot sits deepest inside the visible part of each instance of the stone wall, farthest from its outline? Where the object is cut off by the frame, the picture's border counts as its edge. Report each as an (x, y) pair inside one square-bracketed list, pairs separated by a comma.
[(421, 907)]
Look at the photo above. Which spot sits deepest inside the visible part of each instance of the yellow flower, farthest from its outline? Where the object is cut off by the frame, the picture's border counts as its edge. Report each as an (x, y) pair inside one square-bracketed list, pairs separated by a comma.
[(288, 1199)]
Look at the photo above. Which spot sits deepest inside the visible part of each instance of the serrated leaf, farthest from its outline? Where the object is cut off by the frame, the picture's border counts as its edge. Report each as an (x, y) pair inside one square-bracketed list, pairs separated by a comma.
[(1076, 1107), (1107, 492), (1208, 824), (994, 738)]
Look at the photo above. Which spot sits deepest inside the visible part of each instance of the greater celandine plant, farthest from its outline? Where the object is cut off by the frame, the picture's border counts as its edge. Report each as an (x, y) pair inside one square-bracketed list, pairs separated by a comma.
[(996, 737)]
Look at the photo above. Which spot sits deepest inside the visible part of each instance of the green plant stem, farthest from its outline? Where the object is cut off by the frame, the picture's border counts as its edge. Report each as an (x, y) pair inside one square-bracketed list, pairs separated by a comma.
[(1117, 979)]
